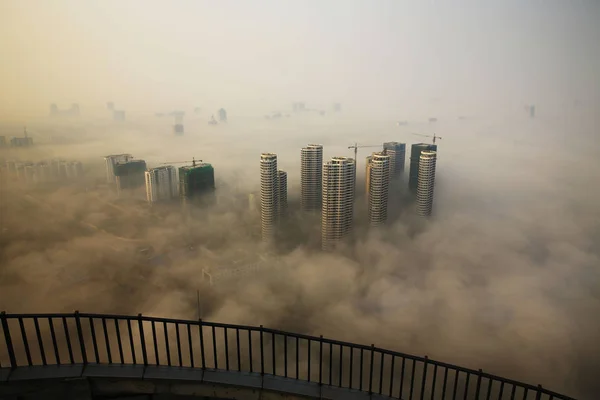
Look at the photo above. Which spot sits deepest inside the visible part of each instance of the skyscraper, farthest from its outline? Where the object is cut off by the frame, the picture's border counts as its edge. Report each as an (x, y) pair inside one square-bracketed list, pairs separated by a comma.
[(378, 181), (337, 209), (269, 196), (73, 169), (282, 182), (311, 177), (111, 161), (130, 174), (397, 153), (415, 155), (161, 183), (427, 162), (197, 182)]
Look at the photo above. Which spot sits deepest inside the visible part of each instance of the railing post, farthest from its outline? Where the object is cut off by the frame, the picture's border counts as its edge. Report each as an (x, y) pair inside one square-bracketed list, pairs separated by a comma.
[(371, 369), (424, 378), (538, 395), (320, 359), (262, 356), (478, 387), (142, 339), (9, 345), (202, 343), (80, 336)]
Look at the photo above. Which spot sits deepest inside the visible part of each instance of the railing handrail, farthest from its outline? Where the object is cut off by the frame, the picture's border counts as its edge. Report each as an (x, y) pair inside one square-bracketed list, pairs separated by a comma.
[(260, 329)]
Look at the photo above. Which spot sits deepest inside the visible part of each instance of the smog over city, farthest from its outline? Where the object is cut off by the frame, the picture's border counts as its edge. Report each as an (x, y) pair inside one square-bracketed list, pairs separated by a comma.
[(504, 275)]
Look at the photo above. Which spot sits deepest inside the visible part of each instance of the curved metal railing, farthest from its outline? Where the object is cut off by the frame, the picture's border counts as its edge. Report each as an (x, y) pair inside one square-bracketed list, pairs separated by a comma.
[(78, 338)]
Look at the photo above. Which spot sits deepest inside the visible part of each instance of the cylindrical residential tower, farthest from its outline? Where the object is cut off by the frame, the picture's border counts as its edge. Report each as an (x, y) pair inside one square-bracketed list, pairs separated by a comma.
[(378, 181), (311, 177), (415, 154), (426, 182), (269, 195), (282, 182), (337, 208), (397, 153)]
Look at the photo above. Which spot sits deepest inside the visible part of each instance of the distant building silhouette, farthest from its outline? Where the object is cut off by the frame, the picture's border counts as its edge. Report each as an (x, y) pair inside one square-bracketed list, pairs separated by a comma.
[(222, 115)]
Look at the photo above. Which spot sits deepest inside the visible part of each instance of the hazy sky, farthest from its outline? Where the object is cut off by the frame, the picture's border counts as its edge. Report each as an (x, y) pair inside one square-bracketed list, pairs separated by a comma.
[(386, 54)]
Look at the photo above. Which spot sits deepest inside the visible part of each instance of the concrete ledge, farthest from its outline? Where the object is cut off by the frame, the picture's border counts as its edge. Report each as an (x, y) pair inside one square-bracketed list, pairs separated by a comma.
[(244, 379), (173, 373), (113, 371), (292, 386), (336, 393), (52, 382), (46, 372)]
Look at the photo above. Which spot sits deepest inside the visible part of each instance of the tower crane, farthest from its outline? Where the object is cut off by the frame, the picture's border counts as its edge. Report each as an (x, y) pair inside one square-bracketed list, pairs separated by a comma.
[(356, 146), (194, 161), (434, 136)]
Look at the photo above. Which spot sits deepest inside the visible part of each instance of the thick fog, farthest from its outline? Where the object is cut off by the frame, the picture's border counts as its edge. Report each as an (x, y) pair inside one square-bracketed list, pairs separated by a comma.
[(505, 276)]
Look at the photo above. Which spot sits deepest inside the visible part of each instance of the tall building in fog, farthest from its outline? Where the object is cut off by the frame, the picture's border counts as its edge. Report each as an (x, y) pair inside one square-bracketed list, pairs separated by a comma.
[(426, 183), (378, 182), (311, 177), (72, 169), (222, 115), (269, 196), (161, 183), (197, 182), (282, 183), (397, 153), (415, 156), (113, 160), (130, 174), (337, 209)]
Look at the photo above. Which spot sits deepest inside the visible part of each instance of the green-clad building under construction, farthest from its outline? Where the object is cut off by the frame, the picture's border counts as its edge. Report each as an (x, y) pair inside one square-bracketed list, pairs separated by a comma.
[(196, 180)]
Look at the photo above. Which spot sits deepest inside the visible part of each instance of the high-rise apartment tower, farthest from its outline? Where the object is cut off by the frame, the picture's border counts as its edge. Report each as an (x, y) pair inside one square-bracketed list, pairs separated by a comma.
[(397, 153), (378, 182), (113, 160), (311, 177), (197, 182), (161, 183), (282, 182), (130, 174), (415, 157), (337, 209), (427, 162), (269, 196)]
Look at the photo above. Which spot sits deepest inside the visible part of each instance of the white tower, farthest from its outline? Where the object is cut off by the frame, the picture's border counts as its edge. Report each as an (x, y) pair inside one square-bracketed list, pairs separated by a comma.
[(269, 196), (161, 183), (311, 177), (378, 181), (337, 209), (426, 182)]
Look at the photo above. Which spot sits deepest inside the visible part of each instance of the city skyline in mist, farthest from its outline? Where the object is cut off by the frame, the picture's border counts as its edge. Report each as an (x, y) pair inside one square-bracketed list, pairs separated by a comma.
[(504, 277), (384, 58)]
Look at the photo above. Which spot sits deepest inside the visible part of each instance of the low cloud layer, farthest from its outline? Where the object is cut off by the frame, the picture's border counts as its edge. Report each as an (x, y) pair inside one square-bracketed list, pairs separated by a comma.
[(505, 277)]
